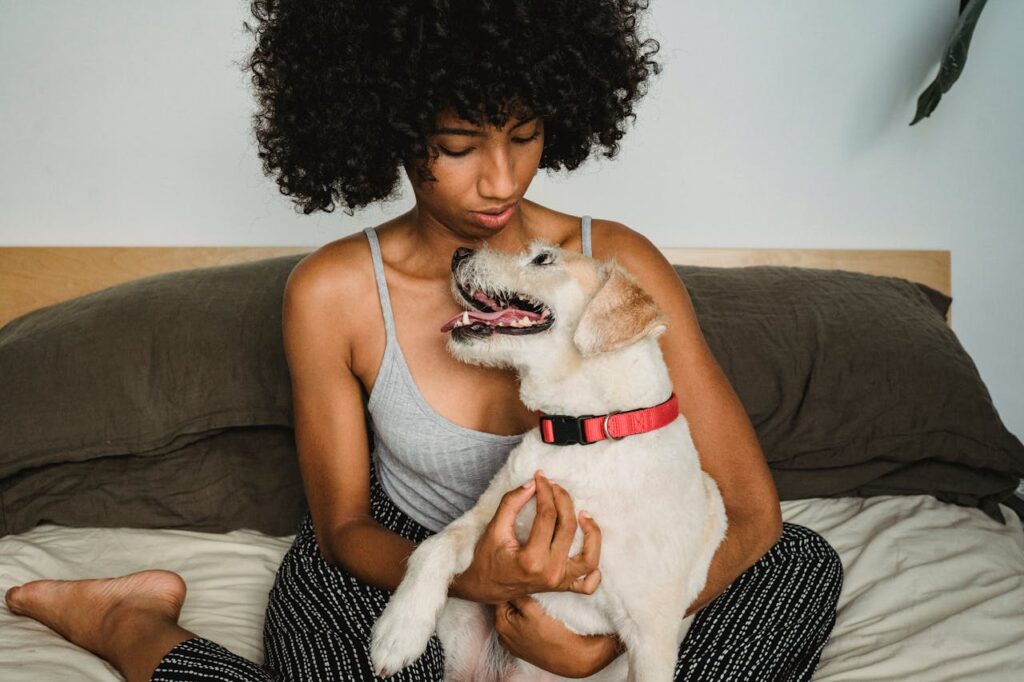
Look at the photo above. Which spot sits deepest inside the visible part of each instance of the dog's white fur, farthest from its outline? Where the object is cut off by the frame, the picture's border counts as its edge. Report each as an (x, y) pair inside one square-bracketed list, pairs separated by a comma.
[(661, 516)]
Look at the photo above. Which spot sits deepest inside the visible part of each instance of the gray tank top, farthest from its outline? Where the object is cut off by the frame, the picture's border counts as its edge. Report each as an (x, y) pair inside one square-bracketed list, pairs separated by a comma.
[(432, 468)]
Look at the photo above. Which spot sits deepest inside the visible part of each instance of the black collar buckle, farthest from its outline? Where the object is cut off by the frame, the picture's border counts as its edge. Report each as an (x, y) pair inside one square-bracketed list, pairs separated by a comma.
[(566, 429)]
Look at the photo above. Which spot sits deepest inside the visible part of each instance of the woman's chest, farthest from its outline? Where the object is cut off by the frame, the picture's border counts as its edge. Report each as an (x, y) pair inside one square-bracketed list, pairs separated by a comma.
[(478, 398)]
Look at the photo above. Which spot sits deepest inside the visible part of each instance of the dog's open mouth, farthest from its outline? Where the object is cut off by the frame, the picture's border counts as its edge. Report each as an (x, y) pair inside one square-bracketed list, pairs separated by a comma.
[(502, 312)]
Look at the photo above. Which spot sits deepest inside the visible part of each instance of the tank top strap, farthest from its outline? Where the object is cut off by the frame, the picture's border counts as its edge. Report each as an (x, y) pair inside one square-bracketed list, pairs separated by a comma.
[(586, 235), (382, 284)]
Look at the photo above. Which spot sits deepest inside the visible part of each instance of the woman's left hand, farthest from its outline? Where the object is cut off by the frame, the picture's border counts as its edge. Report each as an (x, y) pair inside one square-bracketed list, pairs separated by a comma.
[(527, 631)]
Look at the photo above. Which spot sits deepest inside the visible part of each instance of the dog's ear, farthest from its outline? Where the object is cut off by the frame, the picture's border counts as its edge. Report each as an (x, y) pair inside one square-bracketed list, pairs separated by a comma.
[(619, 314)]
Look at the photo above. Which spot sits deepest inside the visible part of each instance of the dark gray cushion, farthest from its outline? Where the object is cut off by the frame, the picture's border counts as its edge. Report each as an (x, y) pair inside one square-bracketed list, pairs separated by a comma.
[(245, 477), (161, 402), (145, 367), (856, 385)]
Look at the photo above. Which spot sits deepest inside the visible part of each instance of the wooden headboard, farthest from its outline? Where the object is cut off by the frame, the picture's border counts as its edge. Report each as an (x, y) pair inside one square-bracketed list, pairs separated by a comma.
[(33, 277)]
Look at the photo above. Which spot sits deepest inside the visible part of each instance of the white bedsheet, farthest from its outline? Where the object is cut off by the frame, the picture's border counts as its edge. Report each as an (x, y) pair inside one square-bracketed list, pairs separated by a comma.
[(932, 592)]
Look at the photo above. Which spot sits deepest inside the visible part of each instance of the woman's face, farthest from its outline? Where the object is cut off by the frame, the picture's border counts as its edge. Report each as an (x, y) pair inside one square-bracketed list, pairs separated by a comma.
[(479, 171)]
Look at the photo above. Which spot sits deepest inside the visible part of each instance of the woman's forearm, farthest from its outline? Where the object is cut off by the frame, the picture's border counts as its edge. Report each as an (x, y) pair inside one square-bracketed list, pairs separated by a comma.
[(605, 649), (378, 556), (370, 552), (745, 542)]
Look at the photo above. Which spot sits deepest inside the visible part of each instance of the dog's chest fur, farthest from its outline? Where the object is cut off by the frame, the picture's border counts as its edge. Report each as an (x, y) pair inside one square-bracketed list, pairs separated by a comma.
[(616, 482)]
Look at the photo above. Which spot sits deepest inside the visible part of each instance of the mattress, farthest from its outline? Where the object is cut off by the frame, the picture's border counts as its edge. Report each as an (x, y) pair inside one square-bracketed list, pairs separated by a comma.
[(932, 591)]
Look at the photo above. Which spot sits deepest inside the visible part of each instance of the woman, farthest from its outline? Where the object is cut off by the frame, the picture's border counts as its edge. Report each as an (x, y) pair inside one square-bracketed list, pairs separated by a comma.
[(470, 99)]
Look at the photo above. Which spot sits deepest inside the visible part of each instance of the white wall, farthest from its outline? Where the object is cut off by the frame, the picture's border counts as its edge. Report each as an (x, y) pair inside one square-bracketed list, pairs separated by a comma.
[(774, 124)]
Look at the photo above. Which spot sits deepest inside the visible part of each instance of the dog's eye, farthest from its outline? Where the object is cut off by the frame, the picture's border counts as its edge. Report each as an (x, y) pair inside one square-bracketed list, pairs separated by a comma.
[(544, 258)]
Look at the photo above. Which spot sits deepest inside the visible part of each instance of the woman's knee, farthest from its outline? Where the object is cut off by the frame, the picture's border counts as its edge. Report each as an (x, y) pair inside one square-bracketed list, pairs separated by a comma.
[(803, 540), (813, 551)]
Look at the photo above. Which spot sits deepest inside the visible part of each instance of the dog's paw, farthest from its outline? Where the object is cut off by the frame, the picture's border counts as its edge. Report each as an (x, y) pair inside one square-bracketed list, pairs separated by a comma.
[(397, 640)]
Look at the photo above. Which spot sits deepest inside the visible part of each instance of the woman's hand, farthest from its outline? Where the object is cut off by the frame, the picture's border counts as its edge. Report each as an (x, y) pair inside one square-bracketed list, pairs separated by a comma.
[(527, 631), (503, 570)]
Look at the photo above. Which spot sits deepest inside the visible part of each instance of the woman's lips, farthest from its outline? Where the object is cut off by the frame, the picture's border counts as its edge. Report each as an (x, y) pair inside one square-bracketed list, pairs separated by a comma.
[(494, 219)]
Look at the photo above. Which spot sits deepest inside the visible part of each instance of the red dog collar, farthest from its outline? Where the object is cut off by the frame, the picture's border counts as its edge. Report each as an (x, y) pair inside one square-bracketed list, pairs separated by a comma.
[(559, 429)]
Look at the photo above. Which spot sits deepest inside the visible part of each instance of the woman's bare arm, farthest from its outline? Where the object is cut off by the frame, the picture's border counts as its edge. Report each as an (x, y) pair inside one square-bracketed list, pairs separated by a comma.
[(329, 416)]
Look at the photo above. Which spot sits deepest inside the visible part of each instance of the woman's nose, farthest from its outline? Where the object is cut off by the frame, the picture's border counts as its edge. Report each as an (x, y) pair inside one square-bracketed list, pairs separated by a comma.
[(498, 179)]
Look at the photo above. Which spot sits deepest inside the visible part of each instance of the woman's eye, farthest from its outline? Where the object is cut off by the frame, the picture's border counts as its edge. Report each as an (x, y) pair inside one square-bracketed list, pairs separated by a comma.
[(543, 259), (449, 152), (524, 140)]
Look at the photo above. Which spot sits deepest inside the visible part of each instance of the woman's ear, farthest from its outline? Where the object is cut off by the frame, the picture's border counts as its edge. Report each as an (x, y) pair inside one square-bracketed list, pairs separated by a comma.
[(619, 314)]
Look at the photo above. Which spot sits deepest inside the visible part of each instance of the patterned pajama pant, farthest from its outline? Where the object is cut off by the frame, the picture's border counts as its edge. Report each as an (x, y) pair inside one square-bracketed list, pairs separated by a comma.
[(771, 623)]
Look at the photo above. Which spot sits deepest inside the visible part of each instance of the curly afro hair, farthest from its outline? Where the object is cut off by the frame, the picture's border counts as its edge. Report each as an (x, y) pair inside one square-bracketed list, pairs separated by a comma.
[(349, 90)]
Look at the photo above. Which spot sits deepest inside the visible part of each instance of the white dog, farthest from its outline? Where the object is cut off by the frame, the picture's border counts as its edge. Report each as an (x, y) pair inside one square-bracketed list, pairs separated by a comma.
[(583, 336)]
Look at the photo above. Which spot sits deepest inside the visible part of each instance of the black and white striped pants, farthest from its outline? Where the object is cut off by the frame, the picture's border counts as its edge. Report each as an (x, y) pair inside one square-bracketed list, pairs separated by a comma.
[(770, 624)]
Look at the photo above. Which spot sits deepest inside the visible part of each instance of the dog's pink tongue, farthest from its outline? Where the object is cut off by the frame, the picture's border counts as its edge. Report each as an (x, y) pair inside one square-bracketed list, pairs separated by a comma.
[(492, 318), (450, 324)]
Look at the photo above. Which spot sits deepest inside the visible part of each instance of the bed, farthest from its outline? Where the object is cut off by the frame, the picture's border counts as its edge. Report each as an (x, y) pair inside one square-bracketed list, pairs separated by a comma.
[(143, 363)]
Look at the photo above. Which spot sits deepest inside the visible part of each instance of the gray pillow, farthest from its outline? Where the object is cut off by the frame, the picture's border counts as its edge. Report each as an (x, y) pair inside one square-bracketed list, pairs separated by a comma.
[(245, 477), (855, 385), (145, 367)]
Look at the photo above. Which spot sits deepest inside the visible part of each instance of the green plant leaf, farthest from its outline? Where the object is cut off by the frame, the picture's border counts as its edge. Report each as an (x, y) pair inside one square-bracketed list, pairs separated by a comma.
[(952, 61)]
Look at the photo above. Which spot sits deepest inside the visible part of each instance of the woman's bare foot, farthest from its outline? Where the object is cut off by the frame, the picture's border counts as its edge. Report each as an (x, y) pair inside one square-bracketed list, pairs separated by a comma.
[(109, 616)]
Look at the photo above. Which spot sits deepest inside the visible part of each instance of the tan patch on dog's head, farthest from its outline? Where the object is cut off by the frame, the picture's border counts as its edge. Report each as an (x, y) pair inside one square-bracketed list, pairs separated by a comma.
[(586, 271), (619, 314)]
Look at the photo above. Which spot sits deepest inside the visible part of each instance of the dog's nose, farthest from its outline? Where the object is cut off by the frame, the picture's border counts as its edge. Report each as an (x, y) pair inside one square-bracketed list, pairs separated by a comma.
[(461, 254)]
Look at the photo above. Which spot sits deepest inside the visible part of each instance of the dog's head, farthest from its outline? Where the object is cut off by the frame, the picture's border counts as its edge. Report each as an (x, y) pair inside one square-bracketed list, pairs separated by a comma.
[(546, 300)]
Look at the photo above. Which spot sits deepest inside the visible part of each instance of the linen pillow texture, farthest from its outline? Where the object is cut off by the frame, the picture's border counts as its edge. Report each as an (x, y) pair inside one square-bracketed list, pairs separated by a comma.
[(144, 376), (855, 385), (243, 477)]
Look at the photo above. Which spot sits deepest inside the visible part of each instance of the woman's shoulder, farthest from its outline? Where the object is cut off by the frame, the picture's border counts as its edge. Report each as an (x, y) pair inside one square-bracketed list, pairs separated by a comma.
[(634, 252), (566, 230), (334, 279), (608, 238), (612, 239), (335, 265)]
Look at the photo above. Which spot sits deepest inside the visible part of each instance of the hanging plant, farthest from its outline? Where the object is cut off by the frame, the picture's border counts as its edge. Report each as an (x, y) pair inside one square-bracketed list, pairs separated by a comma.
[(953, 60)]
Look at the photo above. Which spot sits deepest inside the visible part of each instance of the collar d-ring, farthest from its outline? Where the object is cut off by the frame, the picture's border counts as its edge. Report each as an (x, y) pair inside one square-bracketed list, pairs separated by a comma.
[(604, 425)]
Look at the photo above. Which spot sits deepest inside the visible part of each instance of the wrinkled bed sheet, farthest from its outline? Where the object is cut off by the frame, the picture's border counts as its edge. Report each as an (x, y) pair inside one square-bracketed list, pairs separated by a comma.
[(933, 592)]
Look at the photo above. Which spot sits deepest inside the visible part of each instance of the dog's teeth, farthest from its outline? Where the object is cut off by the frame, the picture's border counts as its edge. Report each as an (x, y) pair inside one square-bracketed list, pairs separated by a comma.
[(524, 321), (465, 317)]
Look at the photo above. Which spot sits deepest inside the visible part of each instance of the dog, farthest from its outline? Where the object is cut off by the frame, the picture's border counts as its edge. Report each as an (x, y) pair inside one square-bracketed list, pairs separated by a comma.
[(582, 335)]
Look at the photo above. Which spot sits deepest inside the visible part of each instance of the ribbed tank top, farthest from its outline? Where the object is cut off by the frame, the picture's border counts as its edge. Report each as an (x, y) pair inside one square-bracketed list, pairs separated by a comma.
[(432, 468)]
